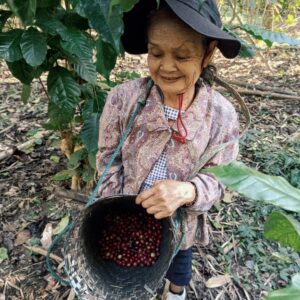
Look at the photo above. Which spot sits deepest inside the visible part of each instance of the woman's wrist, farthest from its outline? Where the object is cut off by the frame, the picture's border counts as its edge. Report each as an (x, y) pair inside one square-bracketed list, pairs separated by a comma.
[(191, 201)]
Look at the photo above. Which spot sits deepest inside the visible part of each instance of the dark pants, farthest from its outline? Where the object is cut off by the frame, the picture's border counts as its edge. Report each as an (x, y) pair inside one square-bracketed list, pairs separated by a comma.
[(180, 271)]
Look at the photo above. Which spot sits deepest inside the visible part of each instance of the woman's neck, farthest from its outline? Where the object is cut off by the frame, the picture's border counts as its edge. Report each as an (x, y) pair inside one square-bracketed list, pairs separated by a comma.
[(171, 100)]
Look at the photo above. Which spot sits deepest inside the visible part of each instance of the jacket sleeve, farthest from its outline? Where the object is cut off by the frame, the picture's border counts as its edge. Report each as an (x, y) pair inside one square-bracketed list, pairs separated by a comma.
[(208, 189), (109, 137)]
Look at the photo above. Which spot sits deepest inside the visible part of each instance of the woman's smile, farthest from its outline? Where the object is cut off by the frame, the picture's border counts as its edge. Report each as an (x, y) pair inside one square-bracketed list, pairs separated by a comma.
[(170, 79)]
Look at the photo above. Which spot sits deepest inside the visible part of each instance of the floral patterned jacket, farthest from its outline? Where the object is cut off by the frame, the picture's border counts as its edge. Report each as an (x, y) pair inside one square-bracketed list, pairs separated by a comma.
[(210, 120)]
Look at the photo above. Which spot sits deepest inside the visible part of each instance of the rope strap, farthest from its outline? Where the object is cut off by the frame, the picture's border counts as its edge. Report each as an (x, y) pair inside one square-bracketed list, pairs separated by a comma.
[(141, 103)]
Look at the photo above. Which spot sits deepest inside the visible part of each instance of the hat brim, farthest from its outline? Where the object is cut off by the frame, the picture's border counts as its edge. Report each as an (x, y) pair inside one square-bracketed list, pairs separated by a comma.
[(136, 21)]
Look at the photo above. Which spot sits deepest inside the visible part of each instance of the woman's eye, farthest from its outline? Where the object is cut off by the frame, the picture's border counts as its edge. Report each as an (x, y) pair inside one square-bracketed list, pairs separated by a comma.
[(156, 54), (182, 57)]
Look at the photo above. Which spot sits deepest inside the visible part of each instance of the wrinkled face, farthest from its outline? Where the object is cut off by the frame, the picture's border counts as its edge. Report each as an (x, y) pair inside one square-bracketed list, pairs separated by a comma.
[(175, 54)]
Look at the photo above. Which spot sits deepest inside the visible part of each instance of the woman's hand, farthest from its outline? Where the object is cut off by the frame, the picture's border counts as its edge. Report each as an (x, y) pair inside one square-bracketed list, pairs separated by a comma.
[(165, 196)]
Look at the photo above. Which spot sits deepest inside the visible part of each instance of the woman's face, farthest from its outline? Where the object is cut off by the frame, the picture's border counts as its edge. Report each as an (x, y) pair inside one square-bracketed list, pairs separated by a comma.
[(175, 54)]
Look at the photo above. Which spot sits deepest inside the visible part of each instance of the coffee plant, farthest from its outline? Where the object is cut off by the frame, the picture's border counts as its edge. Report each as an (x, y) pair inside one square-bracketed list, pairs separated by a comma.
[(70, 42)]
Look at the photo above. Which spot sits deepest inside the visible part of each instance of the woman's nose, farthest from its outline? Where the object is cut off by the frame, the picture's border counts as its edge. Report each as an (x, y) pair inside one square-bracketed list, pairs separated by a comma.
[(167, 64)]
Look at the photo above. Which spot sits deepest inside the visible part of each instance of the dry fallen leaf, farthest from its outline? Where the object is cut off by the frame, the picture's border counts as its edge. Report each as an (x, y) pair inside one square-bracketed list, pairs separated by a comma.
[(13, 191), (229, 247), (51, 283), (46, 239), (228, 197), (22, 237), (217, 281), (71, 295)]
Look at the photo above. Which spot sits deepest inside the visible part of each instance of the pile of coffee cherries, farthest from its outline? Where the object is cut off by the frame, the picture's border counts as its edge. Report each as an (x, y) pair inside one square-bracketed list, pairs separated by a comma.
[(130, 239)]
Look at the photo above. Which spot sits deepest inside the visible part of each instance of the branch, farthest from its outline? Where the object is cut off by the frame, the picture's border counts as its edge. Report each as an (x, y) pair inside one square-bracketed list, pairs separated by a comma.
[(41, 251), (80, 197), (264, 94), (262, 88), (44, 89)]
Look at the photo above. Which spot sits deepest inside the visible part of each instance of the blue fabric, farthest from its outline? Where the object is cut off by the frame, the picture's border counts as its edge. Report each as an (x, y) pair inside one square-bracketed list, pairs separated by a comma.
[(180, 271)]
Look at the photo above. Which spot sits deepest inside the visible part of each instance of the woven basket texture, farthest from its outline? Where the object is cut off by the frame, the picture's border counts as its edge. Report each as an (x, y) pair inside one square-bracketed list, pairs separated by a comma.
[(94, 278)]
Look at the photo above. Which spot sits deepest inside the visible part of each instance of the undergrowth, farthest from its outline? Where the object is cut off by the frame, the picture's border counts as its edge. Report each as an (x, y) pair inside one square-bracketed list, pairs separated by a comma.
[(273, 154)]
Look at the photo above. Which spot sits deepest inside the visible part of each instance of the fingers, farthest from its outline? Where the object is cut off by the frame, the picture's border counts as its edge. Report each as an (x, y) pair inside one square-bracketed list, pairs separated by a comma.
[(159, 212), (144, 196), (156, 200), (161, 215), (157, 207), (152, 210)]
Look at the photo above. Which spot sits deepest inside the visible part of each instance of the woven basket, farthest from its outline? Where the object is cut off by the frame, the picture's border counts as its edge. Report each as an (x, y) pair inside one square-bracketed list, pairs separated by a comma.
[(94, 278)]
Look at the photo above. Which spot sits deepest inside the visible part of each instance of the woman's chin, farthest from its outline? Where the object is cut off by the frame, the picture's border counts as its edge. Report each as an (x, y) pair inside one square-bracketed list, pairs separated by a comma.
[(171, 88)]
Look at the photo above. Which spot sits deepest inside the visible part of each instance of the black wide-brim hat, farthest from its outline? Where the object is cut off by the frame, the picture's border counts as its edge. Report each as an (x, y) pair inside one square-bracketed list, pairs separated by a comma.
[(201, 15)]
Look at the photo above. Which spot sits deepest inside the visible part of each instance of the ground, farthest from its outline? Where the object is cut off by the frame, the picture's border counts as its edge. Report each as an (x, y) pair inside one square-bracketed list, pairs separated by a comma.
[(29, 203)]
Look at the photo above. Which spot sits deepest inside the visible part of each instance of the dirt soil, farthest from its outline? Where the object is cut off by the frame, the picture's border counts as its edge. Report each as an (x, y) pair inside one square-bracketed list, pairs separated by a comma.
[(29, 204)]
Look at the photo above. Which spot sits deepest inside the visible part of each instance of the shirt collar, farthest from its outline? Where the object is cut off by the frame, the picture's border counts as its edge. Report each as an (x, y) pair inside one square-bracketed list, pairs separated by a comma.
[(154, 115)]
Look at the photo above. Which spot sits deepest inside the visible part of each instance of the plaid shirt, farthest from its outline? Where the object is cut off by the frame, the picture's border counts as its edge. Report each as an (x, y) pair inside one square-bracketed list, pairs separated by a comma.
[(159, 170)]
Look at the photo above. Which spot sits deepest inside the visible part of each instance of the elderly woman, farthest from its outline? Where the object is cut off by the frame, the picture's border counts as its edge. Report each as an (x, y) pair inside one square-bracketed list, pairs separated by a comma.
[(183, 120)]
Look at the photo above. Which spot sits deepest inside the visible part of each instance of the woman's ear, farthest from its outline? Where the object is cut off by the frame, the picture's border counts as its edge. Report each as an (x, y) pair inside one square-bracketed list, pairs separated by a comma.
[(209, 53)]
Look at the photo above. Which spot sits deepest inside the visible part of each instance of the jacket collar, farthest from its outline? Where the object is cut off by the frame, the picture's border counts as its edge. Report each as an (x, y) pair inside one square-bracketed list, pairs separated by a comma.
[(154, 118)]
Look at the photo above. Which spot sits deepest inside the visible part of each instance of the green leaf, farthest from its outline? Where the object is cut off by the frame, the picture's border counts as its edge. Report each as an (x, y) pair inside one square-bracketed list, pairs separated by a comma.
[(92, 159), (59, 117), (63, 175), (26, 91), (47, 3), (284, 229), (108, 22), (50, 24), (24, 9), (55, 158), (258, 186), (86, 69), (61, 85), (64, 92), (87, 91), (79, 44), (3, 254), (61, 226), (106, 58), (90, 130), (4, 15), (99, 101), (24, 72), (247, 50), (33, 46), (10, 45), (292, 292), (88, 173), (269, 37), (75, 158), (75, 21), (127, 5)]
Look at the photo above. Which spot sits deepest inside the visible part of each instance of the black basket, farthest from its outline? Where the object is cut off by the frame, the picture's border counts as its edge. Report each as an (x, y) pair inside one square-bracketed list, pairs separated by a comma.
[(94, 278)]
